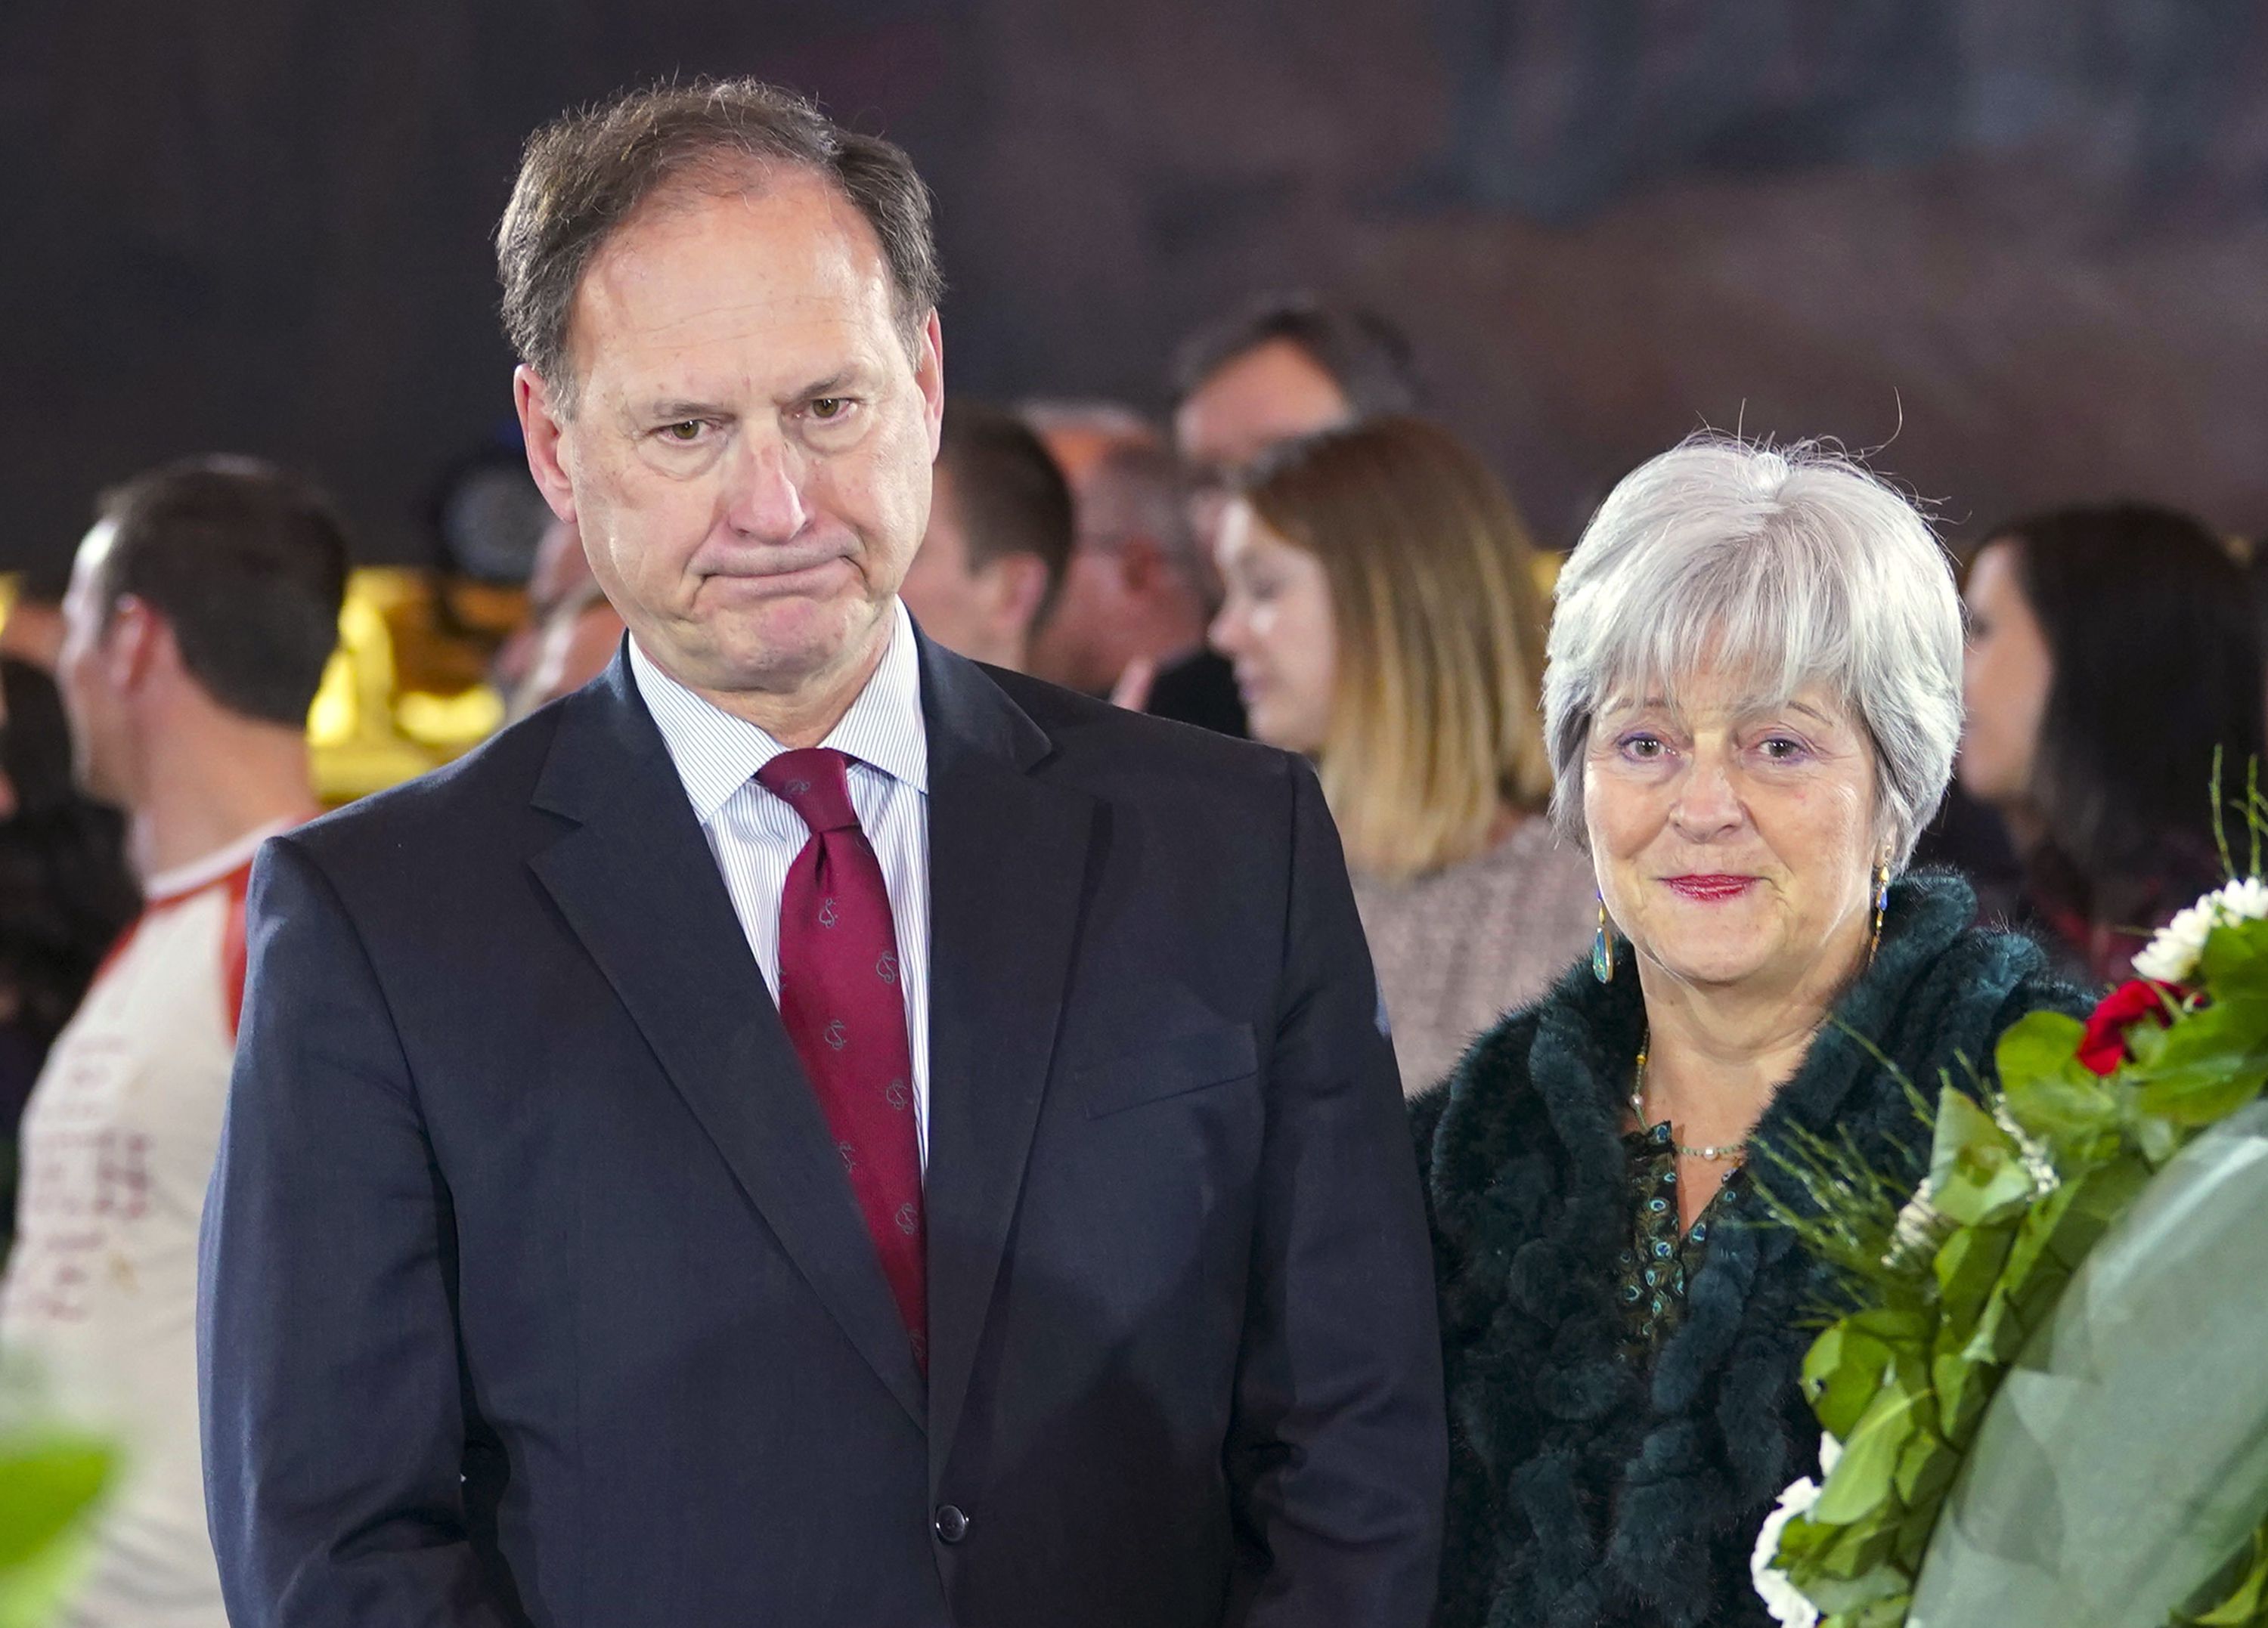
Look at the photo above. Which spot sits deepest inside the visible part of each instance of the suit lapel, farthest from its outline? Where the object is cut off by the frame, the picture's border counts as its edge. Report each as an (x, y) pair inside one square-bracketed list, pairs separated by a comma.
[(1008, 857), (638, 885)]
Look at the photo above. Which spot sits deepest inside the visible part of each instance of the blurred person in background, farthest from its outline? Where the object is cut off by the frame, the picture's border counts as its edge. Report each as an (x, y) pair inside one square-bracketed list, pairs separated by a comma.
[(1383, 619), (560, 577), (33, 630), (1000, 536), (2112, 651), (1286, 365), (1283, 366), (65, 890), (1139, 589), (574, 645), (1752, 704), (1135, 596), (202, 607), (1079, 434)]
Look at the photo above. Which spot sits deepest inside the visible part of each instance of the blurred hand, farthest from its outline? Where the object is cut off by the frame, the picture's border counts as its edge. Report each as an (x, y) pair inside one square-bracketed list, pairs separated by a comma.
[(1132, 690)]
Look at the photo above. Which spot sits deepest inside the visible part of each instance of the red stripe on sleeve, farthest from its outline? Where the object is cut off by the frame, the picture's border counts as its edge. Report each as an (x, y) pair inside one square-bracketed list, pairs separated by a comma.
[(235, 952)]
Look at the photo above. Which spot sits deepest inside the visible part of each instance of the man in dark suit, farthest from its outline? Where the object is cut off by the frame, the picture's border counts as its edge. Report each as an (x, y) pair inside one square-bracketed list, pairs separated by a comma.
[(805, 1129)]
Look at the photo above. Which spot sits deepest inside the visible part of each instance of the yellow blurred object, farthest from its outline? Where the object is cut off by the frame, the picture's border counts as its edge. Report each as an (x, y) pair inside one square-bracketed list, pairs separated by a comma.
[(7, 596), (450, 723), (365, 732)]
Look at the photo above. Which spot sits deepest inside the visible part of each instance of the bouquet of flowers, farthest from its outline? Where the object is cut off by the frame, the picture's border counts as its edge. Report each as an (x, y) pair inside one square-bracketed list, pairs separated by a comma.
[(2048, 1403)]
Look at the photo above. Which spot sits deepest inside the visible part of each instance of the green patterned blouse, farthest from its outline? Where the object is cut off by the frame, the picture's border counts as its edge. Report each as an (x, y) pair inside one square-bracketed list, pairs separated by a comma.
[(1657, 1262)]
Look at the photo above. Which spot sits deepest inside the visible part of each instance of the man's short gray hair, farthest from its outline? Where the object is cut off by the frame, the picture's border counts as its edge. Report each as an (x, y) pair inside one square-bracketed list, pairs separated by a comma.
[(588, 172), (1790, 565)]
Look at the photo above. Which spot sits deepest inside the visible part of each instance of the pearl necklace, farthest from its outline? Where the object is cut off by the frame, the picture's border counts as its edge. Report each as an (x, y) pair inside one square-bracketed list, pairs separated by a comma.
[(1730, 1150)]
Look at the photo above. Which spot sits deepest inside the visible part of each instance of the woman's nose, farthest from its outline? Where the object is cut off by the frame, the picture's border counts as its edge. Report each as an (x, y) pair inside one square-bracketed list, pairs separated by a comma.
[(1226, 634), (1707, 804)]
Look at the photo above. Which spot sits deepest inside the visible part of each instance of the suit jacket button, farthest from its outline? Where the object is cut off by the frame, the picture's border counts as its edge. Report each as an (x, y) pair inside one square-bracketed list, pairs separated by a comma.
[(952, 1525)]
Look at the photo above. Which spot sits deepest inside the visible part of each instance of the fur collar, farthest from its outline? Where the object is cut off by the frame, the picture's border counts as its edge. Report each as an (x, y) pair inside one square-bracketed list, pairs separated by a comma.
[(1584, 1491)]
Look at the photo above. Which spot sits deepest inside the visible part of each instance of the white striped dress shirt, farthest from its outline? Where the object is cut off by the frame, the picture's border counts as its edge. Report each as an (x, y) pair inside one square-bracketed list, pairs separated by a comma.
[(755, 836)]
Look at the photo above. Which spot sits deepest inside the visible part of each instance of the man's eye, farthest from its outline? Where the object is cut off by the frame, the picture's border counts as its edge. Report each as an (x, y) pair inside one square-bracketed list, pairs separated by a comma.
[(685, 431), (828, 408)]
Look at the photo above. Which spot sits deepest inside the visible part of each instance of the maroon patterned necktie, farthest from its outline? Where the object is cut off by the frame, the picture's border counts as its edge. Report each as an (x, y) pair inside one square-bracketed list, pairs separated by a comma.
[(843, 1008)]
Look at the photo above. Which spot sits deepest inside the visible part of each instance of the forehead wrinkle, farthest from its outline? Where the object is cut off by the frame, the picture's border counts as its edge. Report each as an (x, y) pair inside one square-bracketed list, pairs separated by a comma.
[(803, 280)]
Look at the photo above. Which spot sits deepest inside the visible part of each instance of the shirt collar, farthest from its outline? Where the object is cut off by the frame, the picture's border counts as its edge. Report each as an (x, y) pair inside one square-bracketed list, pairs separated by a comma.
[(716, 753), (181, 880)]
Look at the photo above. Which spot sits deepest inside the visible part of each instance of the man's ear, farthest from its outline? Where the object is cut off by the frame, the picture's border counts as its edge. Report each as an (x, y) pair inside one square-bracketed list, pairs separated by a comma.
[(1015, 584), (929, 376), (136, 644), (541, 425)]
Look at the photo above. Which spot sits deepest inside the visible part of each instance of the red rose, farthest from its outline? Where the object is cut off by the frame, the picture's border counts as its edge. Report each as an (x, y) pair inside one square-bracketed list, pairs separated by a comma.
[(2103, 1047)]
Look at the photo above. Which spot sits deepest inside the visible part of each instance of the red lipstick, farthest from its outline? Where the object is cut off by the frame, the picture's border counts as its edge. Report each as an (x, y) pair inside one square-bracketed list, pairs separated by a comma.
[(1710, 889)]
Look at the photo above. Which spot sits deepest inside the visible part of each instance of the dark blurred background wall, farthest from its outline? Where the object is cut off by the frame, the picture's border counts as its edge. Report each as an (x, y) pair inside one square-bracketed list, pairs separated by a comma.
[(2024, 242)]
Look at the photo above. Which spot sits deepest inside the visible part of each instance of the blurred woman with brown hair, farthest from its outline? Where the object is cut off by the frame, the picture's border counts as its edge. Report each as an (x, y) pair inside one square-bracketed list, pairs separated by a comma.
[(1383, 615), (2112, 656)]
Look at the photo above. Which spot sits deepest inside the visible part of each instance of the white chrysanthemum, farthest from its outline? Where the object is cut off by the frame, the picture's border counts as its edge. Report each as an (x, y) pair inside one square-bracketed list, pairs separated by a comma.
[(2245, 899), (2172, 956), (1782, 1598)]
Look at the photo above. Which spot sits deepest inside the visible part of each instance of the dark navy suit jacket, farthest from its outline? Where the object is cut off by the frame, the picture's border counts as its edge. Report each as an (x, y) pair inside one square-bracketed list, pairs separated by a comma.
[(533, 1293)]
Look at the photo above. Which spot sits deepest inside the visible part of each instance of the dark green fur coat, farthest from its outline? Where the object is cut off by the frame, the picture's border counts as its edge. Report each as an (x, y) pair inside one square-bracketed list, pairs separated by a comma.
[(1583, 1490)]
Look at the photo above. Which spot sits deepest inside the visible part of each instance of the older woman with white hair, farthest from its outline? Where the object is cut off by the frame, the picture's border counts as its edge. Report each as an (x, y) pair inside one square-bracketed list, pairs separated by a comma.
[(1752, 700)]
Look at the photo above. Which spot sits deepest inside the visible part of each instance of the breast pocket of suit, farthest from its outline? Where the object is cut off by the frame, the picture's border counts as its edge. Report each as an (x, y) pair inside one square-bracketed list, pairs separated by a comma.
[(1160, 1071)]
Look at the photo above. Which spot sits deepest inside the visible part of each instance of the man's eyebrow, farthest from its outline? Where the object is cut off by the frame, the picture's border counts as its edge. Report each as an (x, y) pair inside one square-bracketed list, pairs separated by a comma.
[(673, 409), (833, 384)]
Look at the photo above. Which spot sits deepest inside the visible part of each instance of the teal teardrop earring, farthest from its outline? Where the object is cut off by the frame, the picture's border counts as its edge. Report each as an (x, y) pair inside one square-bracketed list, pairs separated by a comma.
[(1602, 948)]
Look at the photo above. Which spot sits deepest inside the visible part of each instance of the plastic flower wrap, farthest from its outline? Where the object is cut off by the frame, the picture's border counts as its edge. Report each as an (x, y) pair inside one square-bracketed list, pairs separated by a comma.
[(2052, 1395)]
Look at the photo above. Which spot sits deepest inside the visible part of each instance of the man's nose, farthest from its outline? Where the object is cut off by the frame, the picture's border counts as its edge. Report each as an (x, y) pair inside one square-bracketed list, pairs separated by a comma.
[(764, 500)]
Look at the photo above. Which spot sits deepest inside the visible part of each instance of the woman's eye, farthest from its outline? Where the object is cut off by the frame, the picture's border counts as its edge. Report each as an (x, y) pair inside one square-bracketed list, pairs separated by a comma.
[(1644, 748), (1783, 748)]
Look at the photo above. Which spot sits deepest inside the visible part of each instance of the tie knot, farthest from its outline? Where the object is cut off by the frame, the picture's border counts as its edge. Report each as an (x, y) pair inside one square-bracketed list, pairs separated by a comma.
[(813, 782)]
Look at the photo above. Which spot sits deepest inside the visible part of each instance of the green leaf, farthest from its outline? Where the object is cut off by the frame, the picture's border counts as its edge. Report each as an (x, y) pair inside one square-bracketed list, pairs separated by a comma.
[(1912, 1543), (2146, 1041), (2236, 1594), (2000, 1332), (2235, 963), (2075, 1108), (2037, 1047), (1861, 1480), (1966, 1265), (1976, 1175), (1841, 1374), (2210, 1067), (1963, 1388), (1875, 1584), (1801, 1542), (2157, 1139), (47, 1481)]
